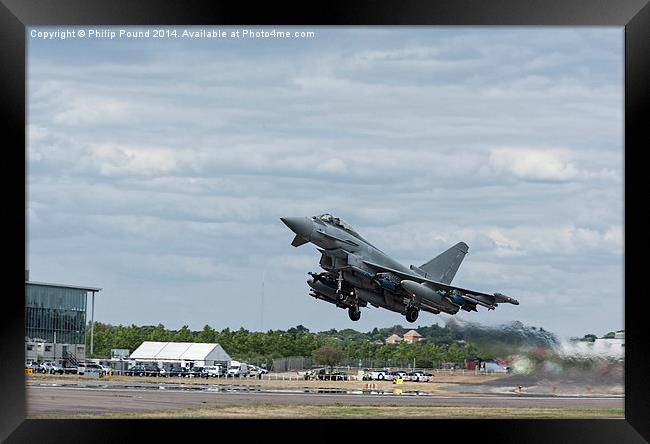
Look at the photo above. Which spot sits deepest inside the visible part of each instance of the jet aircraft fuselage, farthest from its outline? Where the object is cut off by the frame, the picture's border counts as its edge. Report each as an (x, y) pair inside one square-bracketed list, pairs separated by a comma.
[(357, 273)]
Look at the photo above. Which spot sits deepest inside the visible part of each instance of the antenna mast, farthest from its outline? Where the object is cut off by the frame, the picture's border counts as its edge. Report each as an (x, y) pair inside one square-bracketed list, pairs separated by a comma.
[(262, 306)]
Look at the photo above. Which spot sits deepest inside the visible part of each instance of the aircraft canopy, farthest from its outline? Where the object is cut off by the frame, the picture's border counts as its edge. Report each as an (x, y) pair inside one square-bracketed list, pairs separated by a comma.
[(336, 221)]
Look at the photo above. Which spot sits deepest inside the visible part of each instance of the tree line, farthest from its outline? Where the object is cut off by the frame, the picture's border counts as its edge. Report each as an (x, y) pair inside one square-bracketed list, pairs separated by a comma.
[(439, 344)]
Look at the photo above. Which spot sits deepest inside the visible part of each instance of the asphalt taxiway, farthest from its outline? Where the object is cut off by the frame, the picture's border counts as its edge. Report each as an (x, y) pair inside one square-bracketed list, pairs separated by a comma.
[(71, 400)]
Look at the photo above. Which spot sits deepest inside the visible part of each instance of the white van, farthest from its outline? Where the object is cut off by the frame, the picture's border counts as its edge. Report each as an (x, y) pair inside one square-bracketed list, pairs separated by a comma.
[(238, 369), (212, 371)]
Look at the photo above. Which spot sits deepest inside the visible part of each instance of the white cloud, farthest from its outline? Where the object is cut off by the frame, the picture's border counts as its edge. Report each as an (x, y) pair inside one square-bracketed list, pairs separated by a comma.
[(505, 246), (91, 110), (614, 237), (115, 159), (334, 166), (562, 240), (533, 164)]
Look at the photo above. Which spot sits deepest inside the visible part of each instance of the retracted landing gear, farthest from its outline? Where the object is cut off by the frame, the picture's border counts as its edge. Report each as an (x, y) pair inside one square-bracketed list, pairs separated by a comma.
[(354, 313), (412, 314)]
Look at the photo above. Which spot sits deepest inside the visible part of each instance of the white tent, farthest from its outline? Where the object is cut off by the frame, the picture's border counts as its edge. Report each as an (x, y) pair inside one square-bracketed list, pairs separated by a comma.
[(181, 353)]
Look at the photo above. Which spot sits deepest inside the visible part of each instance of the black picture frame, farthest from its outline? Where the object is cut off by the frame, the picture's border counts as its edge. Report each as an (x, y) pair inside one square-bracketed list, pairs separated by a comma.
[(15, 15)]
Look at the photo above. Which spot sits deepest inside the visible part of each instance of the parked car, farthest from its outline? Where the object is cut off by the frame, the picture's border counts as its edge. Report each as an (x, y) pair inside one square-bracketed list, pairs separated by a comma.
[(212, 371), (333, 376), (196, 371), (143, 370), (398, 374), (312, 374), (418, 377), (179, 371), (378, 375), (70, 370), (89, 367), (51, 367), (33, 365), (255, 371)]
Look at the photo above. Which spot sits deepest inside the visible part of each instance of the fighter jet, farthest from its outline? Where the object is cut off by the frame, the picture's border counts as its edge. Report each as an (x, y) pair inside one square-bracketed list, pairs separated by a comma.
[(357, 274)]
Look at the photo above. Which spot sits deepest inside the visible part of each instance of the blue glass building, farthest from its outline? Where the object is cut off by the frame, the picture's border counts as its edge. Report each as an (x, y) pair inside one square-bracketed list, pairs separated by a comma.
[(55, 321)]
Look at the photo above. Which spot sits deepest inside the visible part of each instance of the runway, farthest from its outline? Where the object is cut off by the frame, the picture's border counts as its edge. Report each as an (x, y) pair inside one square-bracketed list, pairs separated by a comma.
[(48, 400)]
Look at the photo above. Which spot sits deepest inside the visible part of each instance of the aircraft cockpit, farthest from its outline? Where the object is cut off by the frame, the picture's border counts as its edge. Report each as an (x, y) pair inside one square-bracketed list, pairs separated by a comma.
[(325, 217), (328, 218)]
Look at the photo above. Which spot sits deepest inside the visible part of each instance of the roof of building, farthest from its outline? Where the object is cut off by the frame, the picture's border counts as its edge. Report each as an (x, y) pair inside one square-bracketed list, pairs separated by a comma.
[(180, 351), (76, 287), (412, 333), (393, 337)]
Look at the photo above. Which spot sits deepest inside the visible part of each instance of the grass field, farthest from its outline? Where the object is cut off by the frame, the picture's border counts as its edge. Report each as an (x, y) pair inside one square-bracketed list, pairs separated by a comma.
[(275, 411)]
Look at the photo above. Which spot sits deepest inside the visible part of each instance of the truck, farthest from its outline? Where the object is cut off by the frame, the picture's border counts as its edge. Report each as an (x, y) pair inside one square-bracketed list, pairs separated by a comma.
[(237, 369)]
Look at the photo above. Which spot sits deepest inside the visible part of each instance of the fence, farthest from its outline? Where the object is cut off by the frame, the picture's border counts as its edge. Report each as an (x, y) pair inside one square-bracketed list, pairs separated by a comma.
[(302, 363), (298, 363), (353, 376), (292, 363), (282, 377)]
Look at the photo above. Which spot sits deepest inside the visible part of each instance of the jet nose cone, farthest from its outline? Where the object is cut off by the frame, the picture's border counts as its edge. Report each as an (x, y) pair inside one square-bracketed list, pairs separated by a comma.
[(302, 226)]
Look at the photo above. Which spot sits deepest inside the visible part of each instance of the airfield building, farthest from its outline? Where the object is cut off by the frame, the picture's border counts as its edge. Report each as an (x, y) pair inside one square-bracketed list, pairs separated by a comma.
[(180, 354), (55, 321)]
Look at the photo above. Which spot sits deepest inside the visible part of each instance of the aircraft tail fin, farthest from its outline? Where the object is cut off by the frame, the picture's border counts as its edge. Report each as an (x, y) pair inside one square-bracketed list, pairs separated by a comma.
[(443, 267)]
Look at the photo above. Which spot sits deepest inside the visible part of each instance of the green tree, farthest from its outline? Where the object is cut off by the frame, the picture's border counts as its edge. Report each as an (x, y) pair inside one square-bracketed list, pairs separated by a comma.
[(184, 335), (157, 334), (328, 355), (298, 329), (440, 343), (402, 353), (454, 354), (208, 334)]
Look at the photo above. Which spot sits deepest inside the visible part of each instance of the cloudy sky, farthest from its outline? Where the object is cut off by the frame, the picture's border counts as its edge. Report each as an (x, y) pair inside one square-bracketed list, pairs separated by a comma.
[(158, 169)]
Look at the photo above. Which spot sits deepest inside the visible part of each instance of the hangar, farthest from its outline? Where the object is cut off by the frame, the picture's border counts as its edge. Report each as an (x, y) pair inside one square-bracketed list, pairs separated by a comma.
[(180, 354)]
